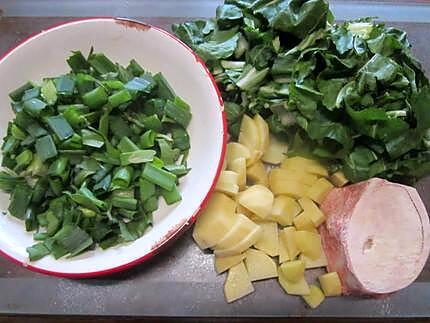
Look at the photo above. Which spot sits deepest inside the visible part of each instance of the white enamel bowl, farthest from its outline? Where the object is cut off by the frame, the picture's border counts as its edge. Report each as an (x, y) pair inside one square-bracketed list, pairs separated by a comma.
[(156, 50)]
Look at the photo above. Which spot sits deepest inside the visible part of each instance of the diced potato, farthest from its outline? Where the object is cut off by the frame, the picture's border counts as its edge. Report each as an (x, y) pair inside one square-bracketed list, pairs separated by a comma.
[(239, 166), (280, 174), (315, 297), (263, 131), (300, 287), (247, 242), (319, 190), (338, 179), (243, 210), (312, 210), (287, 235), (257, 174), (293, 271), (275, 154), (292, 188), (330, 284), (224, 263), (308, 243), (317, 263), (303, 222), (228, 183), (284, 210), (224, 164), (249, 136), (239, 230), (269, 241), (283, 251), (237, 284), (305, 164), (236, 150), (258, 199), (259, 265), (215, 220)]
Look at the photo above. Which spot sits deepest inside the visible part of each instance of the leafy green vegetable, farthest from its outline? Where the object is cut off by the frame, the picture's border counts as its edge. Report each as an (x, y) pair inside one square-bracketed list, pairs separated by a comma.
[(90, 153), (351, 94)]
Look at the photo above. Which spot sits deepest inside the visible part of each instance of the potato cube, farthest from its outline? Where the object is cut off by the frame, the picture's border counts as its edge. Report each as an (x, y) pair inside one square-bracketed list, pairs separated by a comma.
[(227, 183), (269, 241), (317, 263), (275, 154), (224, 263), (249, 136), (330, 284), (308, 243), (315, 297), (259, 265), (281, 174), (236, 150), (239, 167), (237, 283), (291, 188), (258, 199), (284, 210), (308, 165), (338, 179), (215, 220), (319, 190), (293, 271), (243, 245), (283, 251), (312, 210), (263, 132), (303, 222), (287, 236), (241, 228), (299, 287), (243, 210), (257, 174)]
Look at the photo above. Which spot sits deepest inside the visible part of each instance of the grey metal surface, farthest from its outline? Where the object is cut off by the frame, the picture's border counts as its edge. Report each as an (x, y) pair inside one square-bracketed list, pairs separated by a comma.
[(181, 281)]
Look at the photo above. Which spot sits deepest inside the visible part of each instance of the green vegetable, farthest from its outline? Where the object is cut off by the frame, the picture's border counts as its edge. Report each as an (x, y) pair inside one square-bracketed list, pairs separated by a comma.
[(90, 153), (350, 94)]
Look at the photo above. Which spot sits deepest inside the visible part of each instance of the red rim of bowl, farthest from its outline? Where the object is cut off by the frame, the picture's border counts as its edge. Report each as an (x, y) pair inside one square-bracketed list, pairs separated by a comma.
[(176, 232)]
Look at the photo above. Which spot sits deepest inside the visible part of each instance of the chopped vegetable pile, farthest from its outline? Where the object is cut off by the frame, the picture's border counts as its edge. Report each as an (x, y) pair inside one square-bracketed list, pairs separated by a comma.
[(89, 153), (350, 94)]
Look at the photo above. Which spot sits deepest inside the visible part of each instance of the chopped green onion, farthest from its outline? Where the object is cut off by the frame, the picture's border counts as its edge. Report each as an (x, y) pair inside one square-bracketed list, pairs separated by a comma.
[(73, 239), (37, 251), (144, 84), (164, 90), (126, 145), (159, 177), (137, 157), (134, 68), (23, 159), (146, 189), (172, 196), (19, 200), (151, 204), (95, 98), (31, 94), (34, 106), (45, 147), (122, 177), (77, 62), (101, 64), (65, 85), (119, 98), (92, 139), (152, 123), (178, 113), (60, 127), (17, 94), (49, 92), (147, 140)]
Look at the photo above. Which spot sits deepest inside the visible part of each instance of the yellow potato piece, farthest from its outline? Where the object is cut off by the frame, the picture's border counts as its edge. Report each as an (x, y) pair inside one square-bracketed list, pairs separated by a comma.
[(247, 242), (228, 183), (239, 230), (319, 190), (249, 136), (257, 174), (237, 283), (263, 132), (338, 179), (293, 271), (280, 174), (275, 154), (283, 251), (224, 263), (287, 236), (236, 150), (215, 220), (330, 284), (305, 164), (239, 167), (314, 263), (303, 222), (269, 241), (258, 199), (315, 297), (291, 188), (259, 265), (224, 164), (300, 287), (312, 210), (243, 210), (308, 243), (284, 210)]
